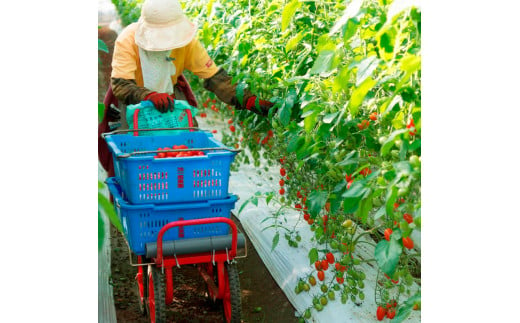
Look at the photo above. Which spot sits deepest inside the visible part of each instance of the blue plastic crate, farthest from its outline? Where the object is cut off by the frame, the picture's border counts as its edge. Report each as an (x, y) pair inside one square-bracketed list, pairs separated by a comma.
[(145, 179), (142, 223)]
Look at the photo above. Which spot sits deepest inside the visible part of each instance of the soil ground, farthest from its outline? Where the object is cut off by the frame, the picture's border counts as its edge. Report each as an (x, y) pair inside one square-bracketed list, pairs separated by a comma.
[(262, 299)]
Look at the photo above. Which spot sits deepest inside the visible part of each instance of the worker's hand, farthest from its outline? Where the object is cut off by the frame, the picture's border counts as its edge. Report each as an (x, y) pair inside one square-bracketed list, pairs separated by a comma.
[(262, 108), (162, 101)]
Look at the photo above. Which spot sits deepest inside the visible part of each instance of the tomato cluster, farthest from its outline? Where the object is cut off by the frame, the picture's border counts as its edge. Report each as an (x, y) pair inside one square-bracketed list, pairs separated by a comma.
[(168, 152), (388, 311)]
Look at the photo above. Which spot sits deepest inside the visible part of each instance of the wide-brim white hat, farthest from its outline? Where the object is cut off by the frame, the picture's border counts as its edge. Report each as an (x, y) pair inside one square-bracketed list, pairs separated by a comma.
[(163, 26)]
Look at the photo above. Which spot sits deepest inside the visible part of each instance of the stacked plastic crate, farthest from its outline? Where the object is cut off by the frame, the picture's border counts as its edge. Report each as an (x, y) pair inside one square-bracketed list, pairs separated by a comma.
[(150, 192)]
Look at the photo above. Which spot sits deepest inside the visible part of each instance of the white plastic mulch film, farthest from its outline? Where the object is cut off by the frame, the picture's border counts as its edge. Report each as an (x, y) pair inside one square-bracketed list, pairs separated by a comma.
[(286, 264)]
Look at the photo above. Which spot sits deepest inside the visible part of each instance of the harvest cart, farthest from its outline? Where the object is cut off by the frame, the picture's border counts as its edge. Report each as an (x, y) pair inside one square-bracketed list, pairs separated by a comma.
[(176, 211)]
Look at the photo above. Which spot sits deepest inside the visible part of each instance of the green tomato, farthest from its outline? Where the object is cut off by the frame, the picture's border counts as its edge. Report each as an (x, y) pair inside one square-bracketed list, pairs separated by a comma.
[(403, 191), (306, 287), (415, 161), (361, 296), (347, 223), (323, 300), (344, 298), (318, 307), (332, 295), (307, 314), (324, 288)]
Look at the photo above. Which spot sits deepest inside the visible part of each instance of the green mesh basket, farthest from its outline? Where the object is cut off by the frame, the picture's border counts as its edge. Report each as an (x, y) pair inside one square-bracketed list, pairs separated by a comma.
[(145, 116)]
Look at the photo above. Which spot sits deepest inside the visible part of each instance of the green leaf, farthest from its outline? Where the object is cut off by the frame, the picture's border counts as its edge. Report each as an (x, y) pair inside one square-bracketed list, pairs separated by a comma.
[(101, 231), (380, 212), (313, 255), (358, 95), (240, 93), (410, 63), (350, 29), (414, 145), (107, 208), (101, 111), (268, 198), (296, 143), (387, 255), (243, 205), (310, 121), (406, 308), (391, 198), (316, 201), (276, 238), (365, 68), (288, 12), (294, 41), (102, 46), (254, 200), (328, 118), (389, 143), (323, 62), (364, 207)]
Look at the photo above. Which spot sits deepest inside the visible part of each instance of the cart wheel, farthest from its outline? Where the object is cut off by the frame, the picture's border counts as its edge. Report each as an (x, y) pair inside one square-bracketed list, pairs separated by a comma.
[(142, 288), (232, 301), (156, 300)]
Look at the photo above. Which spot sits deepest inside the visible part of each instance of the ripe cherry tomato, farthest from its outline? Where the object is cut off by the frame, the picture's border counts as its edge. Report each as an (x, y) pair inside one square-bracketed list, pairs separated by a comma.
[(230, 121), (282, 171), (324, 264), (373, 116), (282, 182), (390, 313), (381, 312), (321, 275), (330, 257), (281, 191), (408, 243), (388, 232), (408, 217), (232, 128)]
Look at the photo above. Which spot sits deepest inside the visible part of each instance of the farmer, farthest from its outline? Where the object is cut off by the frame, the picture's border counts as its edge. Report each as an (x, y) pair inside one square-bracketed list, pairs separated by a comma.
[(151, 55)]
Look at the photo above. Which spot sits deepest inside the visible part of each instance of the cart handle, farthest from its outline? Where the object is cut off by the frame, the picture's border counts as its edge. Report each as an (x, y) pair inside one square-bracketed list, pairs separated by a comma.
[(171, 149), (154, 129), (170, 225)]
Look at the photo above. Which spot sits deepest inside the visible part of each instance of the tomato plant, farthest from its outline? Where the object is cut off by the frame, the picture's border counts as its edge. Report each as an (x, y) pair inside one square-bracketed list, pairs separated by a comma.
[(345, 130)]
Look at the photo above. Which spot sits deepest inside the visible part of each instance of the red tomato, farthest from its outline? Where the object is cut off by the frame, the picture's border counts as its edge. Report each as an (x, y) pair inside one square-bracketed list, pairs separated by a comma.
[(330, 257), (408, 217), (282, 182), (390, 313), (282, 171), (408, 243), (230, 121), (340, 280), (388, 232), (232, 128), (281, 191), (317, 264), (324, 264), (321, 275), (381, 311)]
